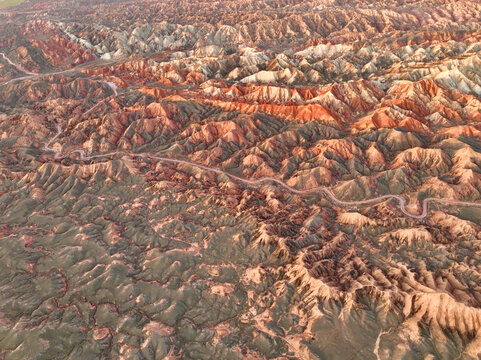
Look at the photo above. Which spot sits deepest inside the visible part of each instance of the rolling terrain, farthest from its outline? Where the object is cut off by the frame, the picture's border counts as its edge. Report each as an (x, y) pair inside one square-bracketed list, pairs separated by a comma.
[(240, 180)]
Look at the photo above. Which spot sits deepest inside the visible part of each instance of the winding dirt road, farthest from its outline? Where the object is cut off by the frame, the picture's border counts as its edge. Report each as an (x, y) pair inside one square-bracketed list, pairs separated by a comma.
[(16, 66), (32, 75), (327, 191)]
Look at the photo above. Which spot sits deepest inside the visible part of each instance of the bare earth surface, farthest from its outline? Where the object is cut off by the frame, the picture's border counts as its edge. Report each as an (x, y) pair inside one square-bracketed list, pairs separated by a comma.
[(240, 180)]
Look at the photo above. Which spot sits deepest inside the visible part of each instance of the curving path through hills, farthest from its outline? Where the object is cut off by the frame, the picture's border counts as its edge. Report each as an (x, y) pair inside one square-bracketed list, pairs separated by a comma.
[(29, 74), (32, 75), (16, 66), (327, 191)]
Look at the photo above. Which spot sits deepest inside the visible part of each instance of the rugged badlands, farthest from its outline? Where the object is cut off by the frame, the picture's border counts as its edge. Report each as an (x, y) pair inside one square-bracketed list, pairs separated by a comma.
[(240, 180)]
